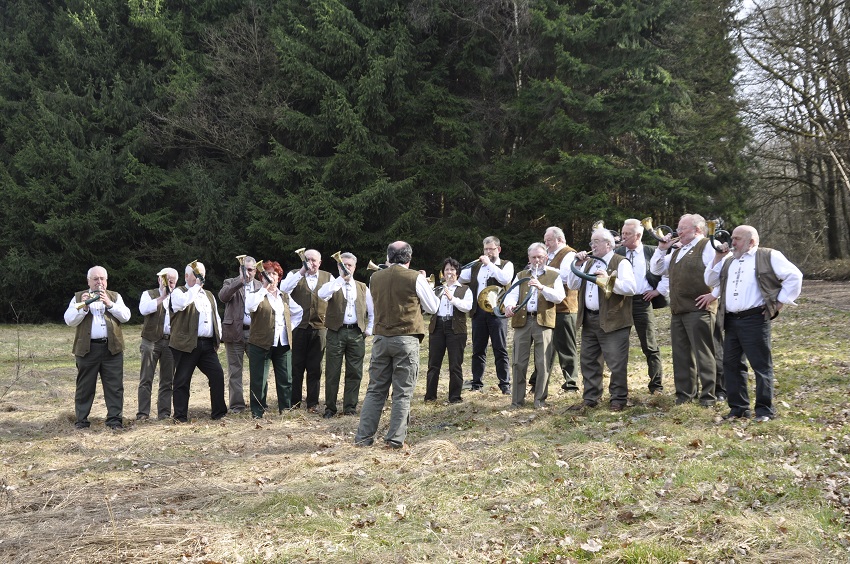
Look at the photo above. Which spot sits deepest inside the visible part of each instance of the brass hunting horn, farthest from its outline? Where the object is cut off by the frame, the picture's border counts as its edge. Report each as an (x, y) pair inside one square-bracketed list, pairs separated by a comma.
[(336, 256), (715, 234), (194, 266), (263, 272), (658, 233), (607, 286)]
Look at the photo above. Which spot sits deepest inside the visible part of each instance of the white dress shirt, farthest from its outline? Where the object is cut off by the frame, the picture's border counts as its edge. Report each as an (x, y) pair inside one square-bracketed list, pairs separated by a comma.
[(742, 289), (447, 306), (660, 263), (638, 260), (253, 301), (195, 295), (555, 294), (502, 275), (74, 316), (288, 284), (349, 291), (148, 305), (624, 284)]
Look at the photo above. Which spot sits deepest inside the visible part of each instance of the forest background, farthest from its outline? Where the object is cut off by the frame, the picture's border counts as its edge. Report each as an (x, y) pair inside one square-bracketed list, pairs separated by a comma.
[(138, 134)]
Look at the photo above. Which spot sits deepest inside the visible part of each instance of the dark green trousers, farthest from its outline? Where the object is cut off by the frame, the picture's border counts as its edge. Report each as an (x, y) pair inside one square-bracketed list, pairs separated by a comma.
[(259, 359), (350, 344)]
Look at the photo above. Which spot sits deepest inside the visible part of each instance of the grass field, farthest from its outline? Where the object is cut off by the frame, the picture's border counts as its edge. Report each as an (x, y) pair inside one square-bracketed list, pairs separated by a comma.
[(479, 483)]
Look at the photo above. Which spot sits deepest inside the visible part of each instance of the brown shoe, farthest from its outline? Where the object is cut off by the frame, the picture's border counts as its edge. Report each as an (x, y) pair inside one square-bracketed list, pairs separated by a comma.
[(582, 406), (617, 406)]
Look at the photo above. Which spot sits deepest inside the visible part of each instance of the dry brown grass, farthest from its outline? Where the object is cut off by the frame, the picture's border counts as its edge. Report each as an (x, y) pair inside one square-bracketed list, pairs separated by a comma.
[(479, 483)]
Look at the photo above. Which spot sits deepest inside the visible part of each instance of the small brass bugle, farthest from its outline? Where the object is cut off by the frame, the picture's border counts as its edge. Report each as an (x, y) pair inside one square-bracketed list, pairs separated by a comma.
[(715, 235), (263, 272), (302, 254), (373, 266), (163, 276), (659, 232), (194, 266), (336, 256)]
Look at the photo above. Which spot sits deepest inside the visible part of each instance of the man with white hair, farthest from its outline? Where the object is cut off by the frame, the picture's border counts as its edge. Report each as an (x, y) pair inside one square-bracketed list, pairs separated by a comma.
[(310, 337), (236, 327), (650, 294), (156, 334), (98, 313), (560, 257), (195, 337), (755, 283), (534, 323), (605, 321), (692, 309)]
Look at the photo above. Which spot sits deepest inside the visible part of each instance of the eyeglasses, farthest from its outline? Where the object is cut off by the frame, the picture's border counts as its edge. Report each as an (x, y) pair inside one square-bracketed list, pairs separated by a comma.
[(251, 270), (598, 241)]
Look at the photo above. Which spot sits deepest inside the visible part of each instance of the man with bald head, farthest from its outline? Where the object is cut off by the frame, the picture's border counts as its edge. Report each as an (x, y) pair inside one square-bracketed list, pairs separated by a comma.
[(154, 305), (98, 347), (310, 337), (195, 338), (755, 284), (399, 296)]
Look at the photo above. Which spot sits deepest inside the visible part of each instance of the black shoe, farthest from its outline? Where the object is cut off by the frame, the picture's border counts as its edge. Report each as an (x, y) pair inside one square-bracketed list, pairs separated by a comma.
[(457, 400), (567, 388), (746, 414), (467, 385), (582, 406), (116, 427), (82, 425), (142, 416), (236, 410), (328, 415), (617, 406), (762, 418), (506, 391), (722, 397), (349, 412)]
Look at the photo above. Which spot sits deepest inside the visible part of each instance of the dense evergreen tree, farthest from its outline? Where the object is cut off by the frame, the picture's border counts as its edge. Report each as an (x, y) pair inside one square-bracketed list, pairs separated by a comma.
[(142, 134)]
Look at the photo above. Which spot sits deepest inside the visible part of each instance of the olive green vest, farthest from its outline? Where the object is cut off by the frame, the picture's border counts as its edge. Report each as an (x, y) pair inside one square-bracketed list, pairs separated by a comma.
[(262, 323), (314, 308), (154, 323), (614, 312), (545, 309), (397, 307), (335, 314), (570, 303), (458, 317), (114, 335), (184, 324), (687, 280), (769, 284)]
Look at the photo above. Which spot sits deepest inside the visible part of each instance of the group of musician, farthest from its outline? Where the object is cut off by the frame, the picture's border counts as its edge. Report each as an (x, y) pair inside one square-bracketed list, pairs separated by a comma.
[(722, 299)]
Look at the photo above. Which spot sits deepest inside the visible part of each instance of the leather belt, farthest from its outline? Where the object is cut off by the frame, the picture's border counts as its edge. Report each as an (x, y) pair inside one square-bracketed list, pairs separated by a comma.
[(246, 327), (746, 313), (592, 311), (532, 313), (445, 318), (349, 326), (99, 341)]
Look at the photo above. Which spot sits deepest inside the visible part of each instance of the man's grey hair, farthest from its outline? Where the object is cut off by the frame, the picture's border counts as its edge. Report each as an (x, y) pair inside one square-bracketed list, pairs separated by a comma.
[(347, 255), (605, 234), (557, 232), (168, 271), (492, 239), (635, 224), (248, 261), (696, 220), (92, 269), (536, 246), (198, 265)]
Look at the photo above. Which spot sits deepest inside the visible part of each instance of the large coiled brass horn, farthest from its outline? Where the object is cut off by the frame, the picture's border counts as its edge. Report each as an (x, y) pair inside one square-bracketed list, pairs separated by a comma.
[(492, 298), (606, 284), (337, 256), (715, 234), (659, 233)]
